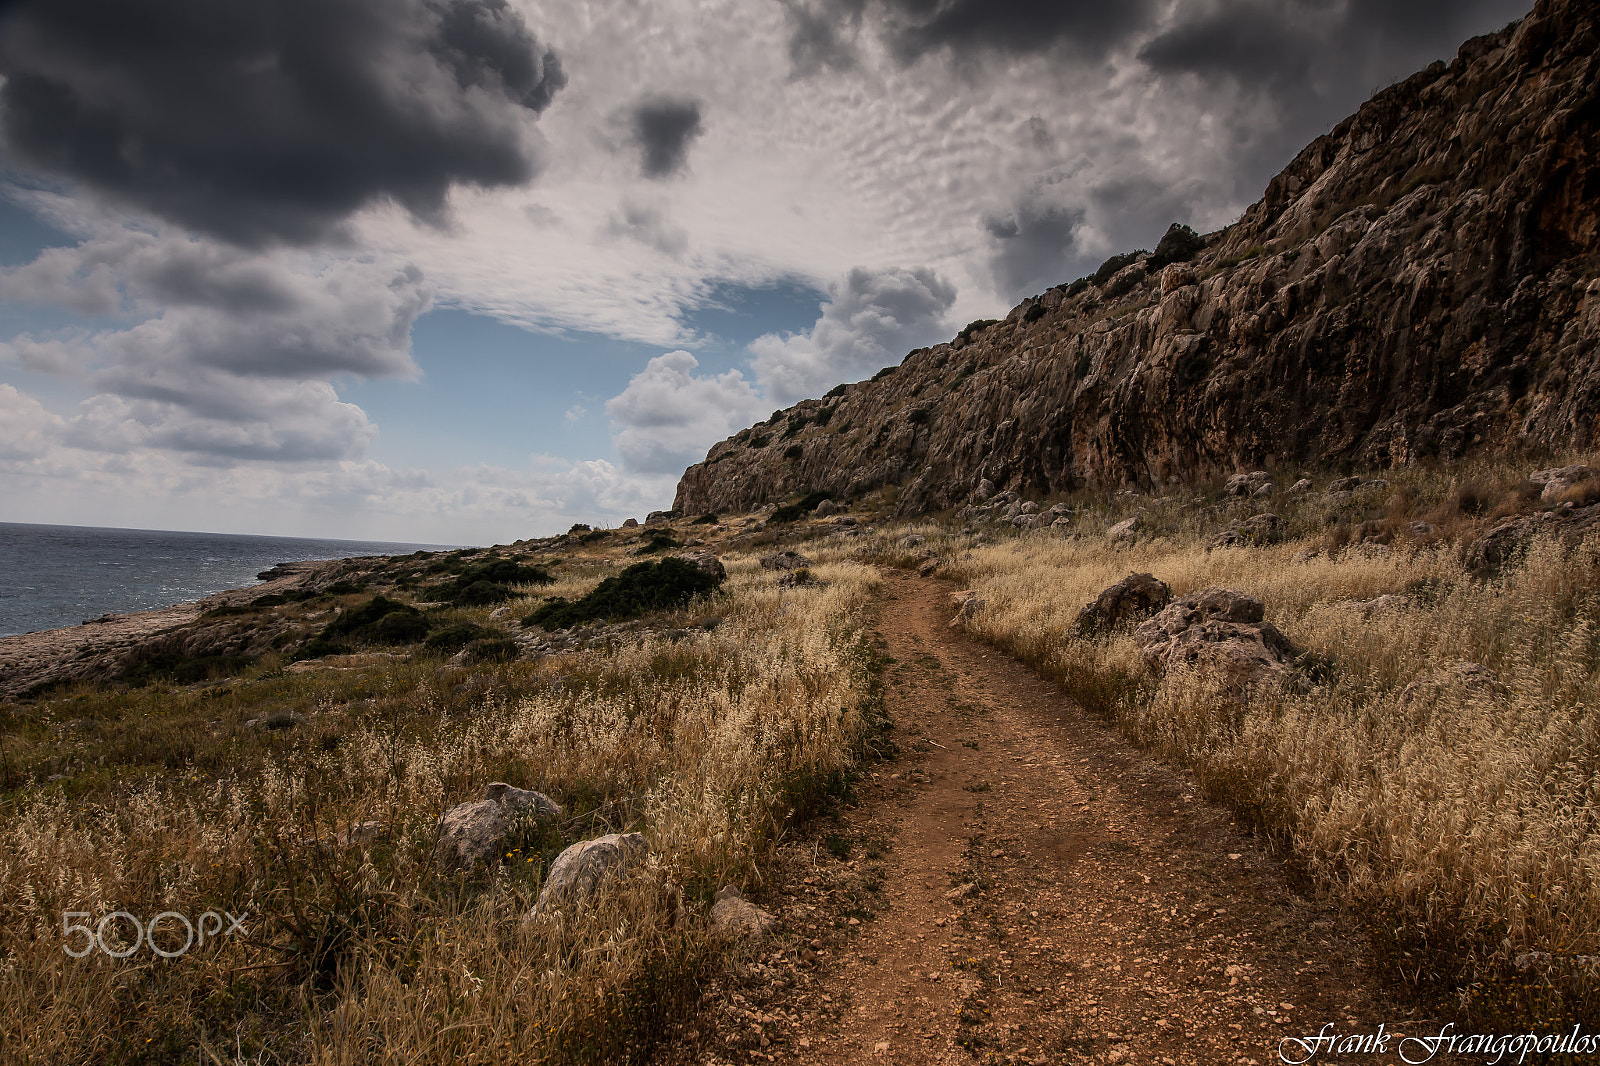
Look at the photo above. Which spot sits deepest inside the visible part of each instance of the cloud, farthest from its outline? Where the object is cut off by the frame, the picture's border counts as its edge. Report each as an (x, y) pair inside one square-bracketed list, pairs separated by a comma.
[(1013, 27), (27, 430), (1031, 247), (815, 37), (662, 128), (262, 121), (237, 355), (649, 226), (668, 416), (871, 320)]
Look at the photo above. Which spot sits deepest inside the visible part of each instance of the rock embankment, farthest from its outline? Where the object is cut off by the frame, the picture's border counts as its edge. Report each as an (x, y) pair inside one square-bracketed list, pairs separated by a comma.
[(1419, 282)]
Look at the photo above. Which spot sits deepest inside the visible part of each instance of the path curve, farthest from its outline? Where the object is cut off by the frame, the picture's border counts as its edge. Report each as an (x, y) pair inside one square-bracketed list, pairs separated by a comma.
[(1055, 895)]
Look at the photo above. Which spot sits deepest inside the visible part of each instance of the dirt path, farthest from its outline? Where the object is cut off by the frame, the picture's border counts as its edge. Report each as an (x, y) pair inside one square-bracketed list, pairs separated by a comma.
[(1051, 895)]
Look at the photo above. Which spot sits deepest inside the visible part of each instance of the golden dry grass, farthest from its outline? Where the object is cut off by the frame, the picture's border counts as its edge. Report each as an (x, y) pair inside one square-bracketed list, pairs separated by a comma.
[(1464, 817), (367, 953)]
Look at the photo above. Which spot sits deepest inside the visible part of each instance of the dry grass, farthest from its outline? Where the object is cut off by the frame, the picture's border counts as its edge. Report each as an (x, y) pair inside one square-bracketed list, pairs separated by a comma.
[(367, 953), (1464, 818)]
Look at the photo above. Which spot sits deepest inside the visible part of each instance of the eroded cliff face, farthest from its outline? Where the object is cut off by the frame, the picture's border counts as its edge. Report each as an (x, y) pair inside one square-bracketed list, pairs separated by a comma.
[(1422, 281)]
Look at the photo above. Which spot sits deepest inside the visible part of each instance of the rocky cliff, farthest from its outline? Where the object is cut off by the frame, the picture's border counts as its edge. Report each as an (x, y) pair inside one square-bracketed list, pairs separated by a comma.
[(1422, 281)]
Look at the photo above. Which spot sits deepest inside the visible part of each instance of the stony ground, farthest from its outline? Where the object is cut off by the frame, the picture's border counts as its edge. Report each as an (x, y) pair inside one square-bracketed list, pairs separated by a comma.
[(1022, 886)]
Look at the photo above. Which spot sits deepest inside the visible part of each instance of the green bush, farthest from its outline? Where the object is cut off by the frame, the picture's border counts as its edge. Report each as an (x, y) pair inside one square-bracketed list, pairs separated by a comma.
[(1077, 286), (362, 621), (1034, 313), (837, 390), (492, 651), (642, 587), (578, 527), (708, 519), (457, 635), (885, 372), (400, 627), (660, 540), (800, 508), (1179, 245), (1112, 266), (489, 582), (918, 416), (976, 326), (760, 440), (793, 451)]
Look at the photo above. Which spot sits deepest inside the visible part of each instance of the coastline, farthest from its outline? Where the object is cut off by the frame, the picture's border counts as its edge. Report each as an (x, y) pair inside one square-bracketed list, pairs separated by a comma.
[(91, 648)]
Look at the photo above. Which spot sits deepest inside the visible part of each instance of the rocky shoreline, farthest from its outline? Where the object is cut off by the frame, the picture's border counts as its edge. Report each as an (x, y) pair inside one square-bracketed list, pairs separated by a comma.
[(92, 648)]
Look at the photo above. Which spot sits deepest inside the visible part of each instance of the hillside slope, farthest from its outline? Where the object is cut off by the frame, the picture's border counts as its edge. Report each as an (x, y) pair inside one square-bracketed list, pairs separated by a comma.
[(1422, 281)]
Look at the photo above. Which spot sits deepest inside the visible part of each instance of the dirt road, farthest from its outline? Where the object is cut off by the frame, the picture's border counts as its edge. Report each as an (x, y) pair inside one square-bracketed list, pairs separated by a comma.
[(1050, 894)]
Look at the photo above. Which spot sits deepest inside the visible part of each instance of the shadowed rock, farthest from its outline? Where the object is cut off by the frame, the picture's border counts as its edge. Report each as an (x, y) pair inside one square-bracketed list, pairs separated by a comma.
[(1221, 630), (1134, 597)]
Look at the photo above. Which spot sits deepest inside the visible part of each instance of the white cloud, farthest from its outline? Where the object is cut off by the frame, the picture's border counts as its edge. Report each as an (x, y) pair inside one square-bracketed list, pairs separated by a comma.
[(27, 430), (870, 321), (668, 416)]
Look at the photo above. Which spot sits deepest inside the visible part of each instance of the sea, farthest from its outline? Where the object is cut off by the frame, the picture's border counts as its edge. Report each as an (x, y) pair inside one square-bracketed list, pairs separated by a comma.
[(53, 576)]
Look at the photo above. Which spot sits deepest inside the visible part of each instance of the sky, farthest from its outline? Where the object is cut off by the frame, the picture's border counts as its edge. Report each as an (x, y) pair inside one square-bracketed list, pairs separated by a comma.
[(470, 271)]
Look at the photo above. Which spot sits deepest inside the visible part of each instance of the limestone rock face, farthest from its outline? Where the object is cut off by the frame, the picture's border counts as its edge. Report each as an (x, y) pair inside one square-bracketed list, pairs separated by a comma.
[(1221, 630), (580, 870), (1414, 284)]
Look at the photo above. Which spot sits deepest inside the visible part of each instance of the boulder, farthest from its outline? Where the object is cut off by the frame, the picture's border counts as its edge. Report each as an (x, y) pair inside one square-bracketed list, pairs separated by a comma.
[(705, 561), (984, 490), (1558, 480), (966, 604), (1126, 530), (927, 569), (1252, 532), (1247, 484), (581, 869), (1135, 597), (1301, 487), (826, 508), (736, 918), (472, 832), (630, 523), (784, 560), (1221, 630), (1344, 484)]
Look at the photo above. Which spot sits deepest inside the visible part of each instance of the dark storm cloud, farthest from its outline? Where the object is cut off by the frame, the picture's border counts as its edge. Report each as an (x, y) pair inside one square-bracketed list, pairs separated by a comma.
[(1296, 44), (821, 34), (1031, 248), (272, 120), (663, 128)]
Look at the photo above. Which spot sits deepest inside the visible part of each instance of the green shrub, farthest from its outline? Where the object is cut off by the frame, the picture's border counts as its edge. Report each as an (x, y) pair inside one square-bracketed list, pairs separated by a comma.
[(1077, 286), (709, 519), (492, 651), (1118, 287), (1033, 313), (885, 372), (822, 417), (400, 627), (457, 635), (976, 326), (578, 527), (1112, 266), (793, 451), (642, 587), (488, 582), (1178, 245), (760, 440), (362, 621), (800, 508), (918, 416), (837, 390), (660, 540)]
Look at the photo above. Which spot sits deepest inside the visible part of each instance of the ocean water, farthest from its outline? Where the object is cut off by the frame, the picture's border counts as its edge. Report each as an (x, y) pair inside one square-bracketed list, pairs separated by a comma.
[(52, 576)]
